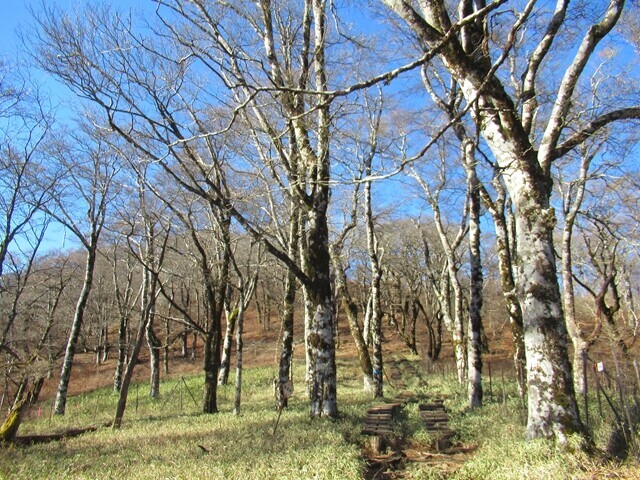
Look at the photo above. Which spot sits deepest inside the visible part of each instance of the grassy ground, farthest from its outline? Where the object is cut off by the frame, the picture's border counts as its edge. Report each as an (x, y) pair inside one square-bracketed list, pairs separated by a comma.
[(162, 439), (495, 436)]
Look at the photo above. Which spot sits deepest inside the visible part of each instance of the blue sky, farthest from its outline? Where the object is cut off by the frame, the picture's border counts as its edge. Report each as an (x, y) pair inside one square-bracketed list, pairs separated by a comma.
[(15, 14)]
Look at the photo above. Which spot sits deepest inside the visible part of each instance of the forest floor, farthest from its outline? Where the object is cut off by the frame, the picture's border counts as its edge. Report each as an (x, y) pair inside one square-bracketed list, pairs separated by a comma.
[(170, 438)]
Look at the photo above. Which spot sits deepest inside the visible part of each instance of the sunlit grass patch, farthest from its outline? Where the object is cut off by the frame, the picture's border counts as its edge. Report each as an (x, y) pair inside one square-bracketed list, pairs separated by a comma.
[(170, 438)]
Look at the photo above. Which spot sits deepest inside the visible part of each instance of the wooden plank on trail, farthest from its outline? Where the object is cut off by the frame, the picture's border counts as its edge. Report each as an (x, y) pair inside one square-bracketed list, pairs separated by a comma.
[(380, 416), (385, 408), (433, 414), (377, 431), (377, 421)]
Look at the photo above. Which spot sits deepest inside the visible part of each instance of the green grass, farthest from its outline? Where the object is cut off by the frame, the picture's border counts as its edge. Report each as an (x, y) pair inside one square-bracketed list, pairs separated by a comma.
[(160, 439), (501, 453)]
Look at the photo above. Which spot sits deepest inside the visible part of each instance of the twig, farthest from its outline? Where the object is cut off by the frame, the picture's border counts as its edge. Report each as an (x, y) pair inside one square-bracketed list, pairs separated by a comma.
[(278, 420)]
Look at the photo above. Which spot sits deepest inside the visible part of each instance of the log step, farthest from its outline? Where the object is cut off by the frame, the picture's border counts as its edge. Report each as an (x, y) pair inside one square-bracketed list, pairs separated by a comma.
[(373, 422), (376, 431), (379, 416), (433, 413)]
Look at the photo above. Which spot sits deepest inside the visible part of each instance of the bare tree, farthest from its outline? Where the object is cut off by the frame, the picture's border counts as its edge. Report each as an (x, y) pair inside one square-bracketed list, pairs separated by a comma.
[(25, 126), (126, 298), (246, 286), (90, 166), (449, 102), (149, 247), (449, 290), (525, 160), (156, 125)]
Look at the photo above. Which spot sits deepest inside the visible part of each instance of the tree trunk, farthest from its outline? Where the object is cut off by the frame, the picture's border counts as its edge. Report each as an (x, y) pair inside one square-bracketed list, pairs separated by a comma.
[(67, 363), (319, 335), (239, 352), (285, 378), (211, 361), (165, 346), (514, 309), (184, 345), (448, 289), (351, 310), (145, 317), (105, 346), (552, 406), (474, 341), (9, 428), (154, 352), (35, 391), (213, 338), (223, 376), (376, 278)]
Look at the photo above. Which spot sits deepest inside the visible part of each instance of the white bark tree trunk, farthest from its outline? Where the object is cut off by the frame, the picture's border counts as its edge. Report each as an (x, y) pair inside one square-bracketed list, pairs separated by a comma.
[(70, 351), (376, 278), (474, 340), (223, 375)]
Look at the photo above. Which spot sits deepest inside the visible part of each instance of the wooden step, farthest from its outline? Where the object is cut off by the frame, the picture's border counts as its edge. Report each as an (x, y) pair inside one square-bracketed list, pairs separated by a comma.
[(376, 431), (380, 416), (385, 408), (435, 418), (374, 421)]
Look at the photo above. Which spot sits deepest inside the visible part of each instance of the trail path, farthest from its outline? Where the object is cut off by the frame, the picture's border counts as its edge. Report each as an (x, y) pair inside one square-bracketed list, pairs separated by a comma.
[(389, 451)]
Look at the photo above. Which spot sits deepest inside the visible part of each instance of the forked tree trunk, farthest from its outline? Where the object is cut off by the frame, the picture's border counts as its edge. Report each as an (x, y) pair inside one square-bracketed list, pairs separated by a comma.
[(571, 206), (448, 290), (124, 311), (145, 316)]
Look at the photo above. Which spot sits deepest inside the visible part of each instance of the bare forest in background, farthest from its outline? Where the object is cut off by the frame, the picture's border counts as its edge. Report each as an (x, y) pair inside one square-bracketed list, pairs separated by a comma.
[(460, 176)]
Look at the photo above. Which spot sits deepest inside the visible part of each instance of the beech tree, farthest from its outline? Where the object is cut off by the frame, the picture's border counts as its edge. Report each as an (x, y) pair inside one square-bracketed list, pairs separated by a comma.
[(147, 242), (508, 115), (449, 102), (93, 55), (123, 268), (25, 126), (448, 286), (90, 167)]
